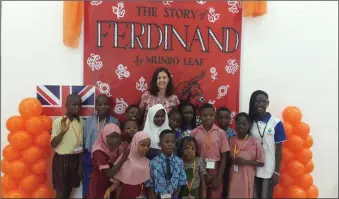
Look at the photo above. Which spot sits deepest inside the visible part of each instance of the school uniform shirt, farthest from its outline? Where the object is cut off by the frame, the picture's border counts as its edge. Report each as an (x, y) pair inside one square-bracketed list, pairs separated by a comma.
[(91, 129), (274, 133), (72, 138), (211, 143), (158, 180)]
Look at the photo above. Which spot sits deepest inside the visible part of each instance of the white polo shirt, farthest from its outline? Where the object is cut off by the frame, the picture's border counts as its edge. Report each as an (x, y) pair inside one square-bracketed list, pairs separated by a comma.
[(274, 133)]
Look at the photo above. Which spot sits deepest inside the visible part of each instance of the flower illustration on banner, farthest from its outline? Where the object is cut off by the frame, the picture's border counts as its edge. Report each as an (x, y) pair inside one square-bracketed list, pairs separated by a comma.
[(119, 11), (232, 116), (201, 2), (234, 6), (212, 16), (104, 88), (120, 106), (122, 72), (232, 66), (141, 85), (96, 3), (167, 3), (214, 73), (222, 91), (94, 62), (198, 120), (212, 102)]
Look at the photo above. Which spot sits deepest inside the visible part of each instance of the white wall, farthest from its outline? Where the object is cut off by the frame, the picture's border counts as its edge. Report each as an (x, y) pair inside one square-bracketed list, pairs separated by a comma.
[(292, 53)]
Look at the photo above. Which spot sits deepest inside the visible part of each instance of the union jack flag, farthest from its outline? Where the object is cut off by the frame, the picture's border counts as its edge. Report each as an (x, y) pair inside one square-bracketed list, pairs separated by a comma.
[(53, 99)]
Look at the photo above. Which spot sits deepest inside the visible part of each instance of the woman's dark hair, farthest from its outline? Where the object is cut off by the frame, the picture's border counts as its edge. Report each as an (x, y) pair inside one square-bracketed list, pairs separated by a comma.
[(154, 88), (254, 95), (243, 114), (180, 151), (181, 109)]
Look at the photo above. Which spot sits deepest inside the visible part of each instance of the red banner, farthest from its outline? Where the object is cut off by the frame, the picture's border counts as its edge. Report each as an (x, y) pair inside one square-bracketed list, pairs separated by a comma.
[(198, 41)]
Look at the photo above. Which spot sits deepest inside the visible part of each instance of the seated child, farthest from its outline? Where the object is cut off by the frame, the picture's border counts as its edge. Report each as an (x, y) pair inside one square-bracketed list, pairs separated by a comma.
[(134, 172), (188, 112), (247, 154), (194, 168), (156, 122), (166, 169)]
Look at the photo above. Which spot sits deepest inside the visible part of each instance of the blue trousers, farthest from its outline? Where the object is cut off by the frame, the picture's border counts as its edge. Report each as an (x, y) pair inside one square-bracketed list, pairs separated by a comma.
[(87, 165)]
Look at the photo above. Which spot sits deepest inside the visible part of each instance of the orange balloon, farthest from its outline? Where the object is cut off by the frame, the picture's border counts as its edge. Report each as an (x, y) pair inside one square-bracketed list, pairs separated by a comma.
[(10, 153), (43, 140), (295, 143), (287, 155), (46, 152), (28, 183), (31, 154), (279, 191), (17, 169), (39, 167), (47, 122), (312, 192), (30, 107), (15, 123), (308, 142), (21, 140), (305, 155), (9, 183), (42, 191), (283, 166), (41, 178), (288, 129), (295, 192), (295, 168), (302, 129), (305, 181), (292, 115), (4, 166), (309, 167), (16, 193), (9, 136), (34, 125), (286, 180)]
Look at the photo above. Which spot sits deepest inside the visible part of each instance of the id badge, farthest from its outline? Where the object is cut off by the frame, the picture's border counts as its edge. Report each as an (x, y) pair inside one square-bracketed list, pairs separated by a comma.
[(140, 197), (77, 149), (210, 164), (166, 196), (188, 197), (235, 168)]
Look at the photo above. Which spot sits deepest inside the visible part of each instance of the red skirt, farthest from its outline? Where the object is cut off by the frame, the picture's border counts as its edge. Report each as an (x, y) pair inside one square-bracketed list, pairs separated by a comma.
[(131, 191)]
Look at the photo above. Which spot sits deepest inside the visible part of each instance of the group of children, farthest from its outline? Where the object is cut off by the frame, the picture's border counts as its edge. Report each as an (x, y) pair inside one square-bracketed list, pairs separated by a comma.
[(165, 156)]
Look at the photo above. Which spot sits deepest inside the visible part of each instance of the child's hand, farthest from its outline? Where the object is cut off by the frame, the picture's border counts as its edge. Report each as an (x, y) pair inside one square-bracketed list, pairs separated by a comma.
[(125, 154), (216, 183), (240, 161), (108, 193), (64, 124)]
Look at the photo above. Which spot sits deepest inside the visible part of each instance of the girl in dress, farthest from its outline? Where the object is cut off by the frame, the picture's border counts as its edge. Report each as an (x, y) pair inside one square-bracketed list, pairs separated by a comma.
[(104, 154), (247, 154), (134, 172), (194, 168), (156, 122)]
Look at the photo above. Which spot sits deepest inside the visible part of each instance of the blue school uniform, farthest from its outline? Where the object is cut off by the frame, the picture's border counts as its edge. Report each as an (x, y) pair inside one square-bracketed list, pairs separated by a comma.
[(90, 135), (166, 179)]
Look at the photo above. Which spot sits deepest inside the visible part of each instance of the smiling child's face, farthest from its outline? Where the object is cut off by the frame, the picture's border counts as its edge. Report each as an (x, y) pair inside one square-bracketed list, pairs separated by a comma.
[(175, 121), (159, 118), (130, 128), (113, 140)]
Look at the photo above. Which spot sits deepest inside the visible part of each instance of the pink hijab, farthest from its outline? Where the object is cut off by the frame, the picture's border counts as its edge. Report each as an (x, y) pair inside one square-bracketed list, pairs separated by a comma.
[(136, 169), (100, 143)]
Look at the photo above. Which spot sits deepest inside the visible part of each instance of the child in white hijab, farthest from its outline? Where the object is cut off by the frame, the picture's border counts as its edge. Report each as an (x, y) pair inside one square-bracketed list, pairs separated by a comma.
[(156, 121)]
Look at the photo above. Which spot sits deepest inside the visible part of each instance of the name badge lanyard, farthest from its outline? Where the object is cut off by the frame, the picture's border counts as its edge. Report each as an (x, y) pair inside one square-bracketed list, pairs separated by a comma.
[(77, 134), (263, 134), (189, 185), (98, 126), (208, 142), (236, 151)]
